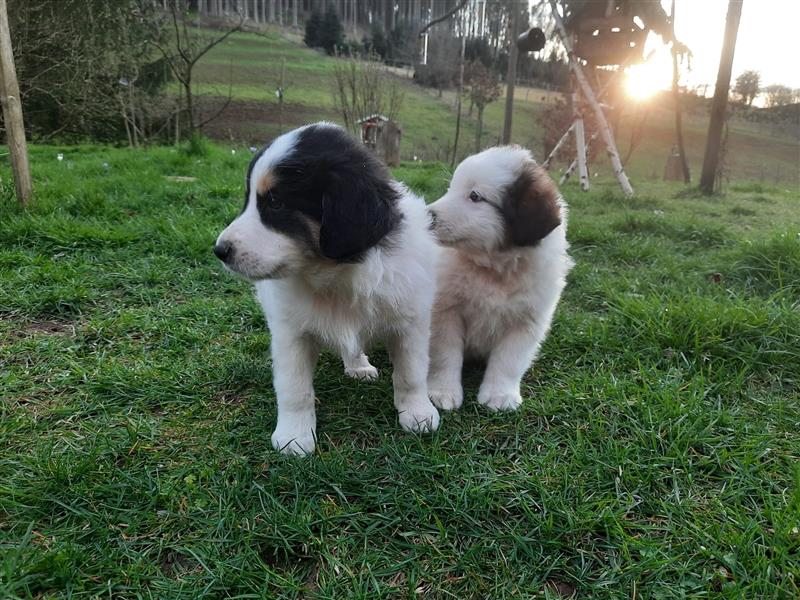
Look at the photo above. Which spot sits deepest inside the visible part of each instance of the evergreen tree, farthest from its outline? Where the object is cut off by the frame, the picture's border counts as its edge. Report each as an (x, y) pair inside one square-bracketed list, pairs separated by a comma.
[(313, 28), (331, 34)]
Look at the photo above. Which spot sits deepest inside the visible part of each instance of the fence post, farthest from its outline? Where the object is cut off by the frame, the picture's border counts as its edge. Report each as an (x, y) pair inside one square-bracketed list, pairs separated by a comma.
[(12, 113)]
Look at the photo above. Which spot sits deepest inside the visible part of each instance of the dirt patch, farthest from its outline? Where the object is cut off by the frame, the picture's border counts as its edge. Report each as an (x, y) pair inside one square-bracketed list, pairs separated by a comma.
[(174, 564), (45, 327), (563, 589), (253, 123)]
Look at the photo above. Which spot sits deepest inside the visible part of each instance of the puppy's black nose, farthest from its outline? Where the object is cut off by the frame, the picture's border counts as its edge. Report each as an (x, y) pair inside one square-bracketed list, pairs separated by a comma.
[(224, 251)]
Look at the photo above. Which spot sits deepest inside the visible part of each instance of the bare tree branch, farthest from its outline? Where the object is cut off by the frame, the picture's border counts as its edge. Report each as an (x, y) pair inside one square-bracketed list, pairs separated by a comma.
[(443, 17)]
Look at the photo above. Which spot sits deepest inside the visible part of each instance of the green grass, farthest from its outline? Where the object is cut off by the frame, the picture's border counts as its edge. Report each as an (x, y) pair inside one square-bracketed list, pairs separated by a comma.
[(655, 455)]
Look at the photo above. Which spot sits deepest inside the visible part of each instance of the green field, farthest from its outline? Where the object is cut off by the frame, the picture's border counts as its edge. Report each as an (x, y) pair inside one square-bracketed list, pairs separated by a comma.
[(250, 65), (656, 454)]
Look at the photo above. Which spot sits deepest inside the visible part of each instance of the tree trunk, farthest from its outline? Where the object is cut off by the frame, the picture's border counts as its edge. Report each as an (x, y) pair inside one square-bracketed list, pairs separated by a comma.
[(271, 10), (132, 100), (460, 92), (676, 92), (189, 104), (479, 131), (388, 16), (720, 102), (178, 117), (12, 113), (294, 14), (511, 74)]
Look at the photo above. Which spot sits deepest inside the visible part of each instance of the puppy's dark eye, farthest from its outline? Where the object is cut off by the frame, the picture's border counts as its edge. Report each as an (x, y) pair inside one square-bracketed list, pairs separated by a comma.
[(272, 202), (476, 197)]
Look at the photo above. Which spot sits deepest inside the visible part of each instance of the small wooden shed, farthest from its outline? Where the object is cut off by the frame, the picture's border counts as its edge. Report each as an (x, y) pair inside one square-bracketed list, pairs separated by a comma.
[(382, 135)]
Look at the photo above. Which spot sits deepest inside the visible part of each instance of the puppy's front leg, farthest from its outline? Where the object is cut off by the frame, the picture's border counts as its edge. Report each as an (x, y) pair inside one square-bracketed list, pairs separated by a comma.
[(409, 353), (446, 360), (508, 361), (293, 360)]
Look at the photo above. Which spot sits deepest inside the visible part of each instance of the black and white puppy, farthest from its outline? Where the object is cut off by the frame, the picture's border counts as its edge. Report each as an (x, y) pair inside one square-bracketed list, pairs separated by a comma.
[(342, 256), (500, 277)]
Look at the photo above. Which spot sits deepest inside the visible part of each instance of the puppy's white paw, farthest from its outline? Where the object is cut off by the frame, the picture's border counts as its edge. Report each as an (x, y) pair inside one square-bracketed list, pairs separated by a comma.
[(419, 416), (496, 400), (294, 438), (446, 398), (368, 373)]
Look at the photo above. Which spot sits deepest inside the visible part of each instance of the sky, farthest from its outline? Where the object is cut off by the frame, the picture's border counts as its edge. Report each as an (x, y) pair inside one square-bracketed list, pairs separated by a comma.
[(768, 42)]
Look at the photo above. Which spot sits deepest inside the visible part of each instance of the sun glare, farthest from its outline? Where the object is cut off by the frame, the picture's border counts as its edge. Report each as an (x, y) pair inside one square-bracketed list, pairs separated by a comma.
[(642, 81)]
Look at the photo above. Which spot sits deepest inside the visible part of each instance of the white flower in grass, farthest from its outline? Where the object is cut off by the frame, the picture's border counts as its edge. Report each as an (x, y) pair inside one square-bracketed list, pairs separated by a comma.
[(59, 157)]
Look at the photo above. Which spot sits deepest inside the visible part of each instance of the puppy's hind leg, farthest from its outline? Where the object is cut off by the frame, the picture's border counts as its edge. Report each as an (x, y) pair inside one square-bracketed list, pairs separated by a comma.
[(358, 366)]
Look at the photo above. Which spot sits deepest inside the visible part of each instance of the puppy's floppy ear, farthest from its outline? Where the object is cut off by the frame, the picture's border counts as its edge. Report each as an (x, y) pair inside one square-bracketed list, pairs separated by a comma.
[(356, 215), (531, 206)]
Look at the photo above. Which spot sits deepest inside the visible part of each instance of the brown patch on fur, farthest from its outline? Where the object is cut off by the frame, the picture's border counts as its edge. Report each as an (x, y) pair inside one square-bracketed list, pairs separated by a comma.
[(531, 207), (503, 280), (265, 183)]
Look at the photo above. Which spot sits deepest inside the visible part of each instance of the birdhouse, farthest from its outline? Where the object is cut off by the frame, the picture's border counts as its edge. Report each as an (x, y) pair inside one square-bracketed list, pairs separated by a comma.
[(382, 136)]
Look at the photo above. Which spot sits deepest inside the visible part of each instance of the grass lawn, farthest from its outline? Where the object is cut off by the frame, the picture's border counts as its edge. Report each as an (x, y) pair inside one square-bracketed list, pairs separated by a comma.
[(656, 454)]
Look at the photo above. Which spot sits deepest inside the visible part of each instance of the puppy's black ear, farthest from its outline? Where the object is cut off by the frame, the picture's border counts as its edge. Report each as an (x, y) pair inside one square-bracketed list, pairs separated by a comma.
[(531, 207), (356, 214)]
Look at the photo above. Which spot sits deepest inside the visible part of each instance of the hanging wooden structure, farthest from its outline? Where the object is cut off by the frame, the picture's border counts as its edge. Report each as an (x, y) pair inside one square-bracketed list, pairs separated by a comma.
[(597, 39)]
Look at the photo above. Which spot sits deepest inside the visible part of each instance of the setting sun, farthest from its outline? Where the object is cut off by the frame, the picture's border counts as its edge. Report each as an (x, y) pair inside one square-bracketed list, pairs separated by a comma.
[(644, 80)]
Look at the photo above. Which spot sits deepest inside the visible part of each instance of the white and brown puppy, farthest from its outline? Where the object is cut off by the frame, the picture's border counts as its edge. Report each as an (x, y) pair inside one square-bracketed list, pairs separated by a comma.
[(341, 255), (500, 276)]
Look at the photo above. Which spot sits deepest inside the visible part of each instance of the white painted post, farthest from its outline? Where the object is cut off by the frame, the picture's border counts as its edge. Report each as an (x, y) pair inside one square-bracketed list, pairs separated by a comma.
[(557, 147), (580, 144)]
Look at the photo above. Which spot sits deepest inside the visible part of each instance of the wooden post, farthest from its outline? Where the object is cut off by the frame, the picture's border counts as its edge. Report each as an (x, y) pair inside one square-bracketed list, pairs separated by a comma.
[(588, 94), (511, 74), (12, 113), (720, 102), (580, 144), (557, 147), (574, 164)]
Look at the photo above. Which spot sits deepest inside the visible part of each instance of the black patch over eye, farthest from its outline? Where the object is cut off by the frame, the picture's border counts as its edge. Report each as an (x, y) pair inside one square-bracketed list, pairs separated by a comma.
[(476, 197), (273, 203)]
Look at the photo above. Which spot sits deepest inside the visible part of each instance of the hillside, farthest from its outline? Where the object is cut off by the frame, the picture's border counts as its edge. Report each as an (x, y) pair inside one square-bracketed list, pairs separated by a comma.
[(250, 65)]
